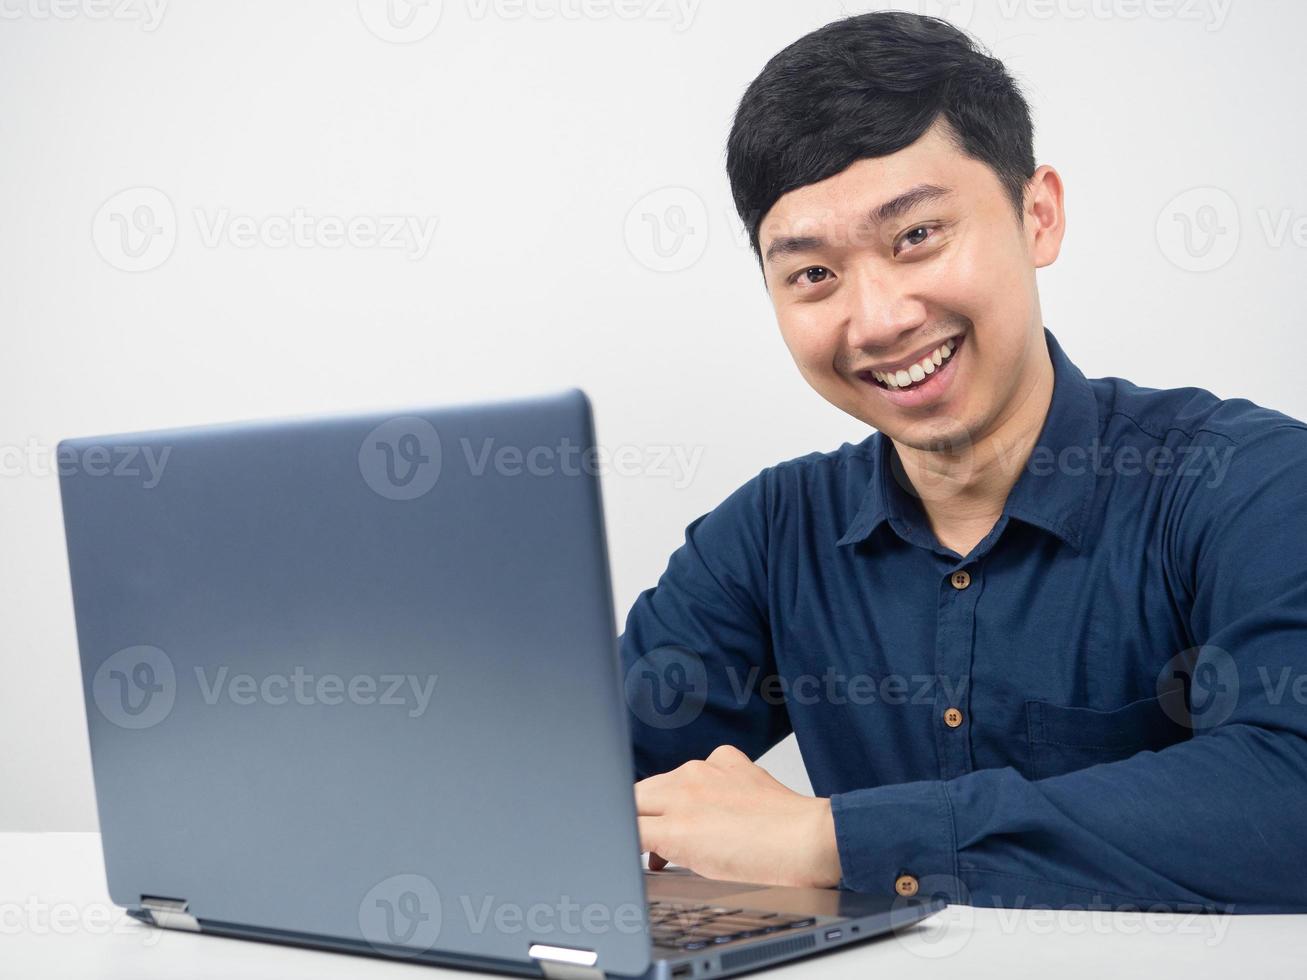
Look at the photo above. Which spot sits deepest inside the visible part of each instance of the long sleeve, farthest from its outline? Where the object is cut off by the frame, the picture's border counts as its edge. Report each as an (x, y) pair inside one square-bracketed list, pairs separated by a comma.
[(1215, 820), (695, 644)]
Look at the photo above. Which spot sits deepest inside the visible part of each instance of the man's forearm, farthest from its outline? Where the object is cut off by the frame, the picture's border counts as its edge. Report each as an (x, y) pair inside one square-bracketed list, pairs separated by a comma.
[(1206, 823)]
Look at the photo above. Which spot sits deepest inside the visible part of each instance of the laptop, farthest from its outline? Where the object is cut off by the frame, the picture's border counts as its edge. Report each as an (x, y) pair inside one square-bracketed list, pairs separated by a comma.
[(352, 683)]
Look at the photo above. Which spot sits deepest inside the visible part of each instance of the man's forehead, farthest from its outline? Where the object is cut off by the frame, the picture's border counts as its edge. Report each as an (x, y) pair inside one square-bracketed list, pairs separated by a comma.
[(867, 189), (846, 220)]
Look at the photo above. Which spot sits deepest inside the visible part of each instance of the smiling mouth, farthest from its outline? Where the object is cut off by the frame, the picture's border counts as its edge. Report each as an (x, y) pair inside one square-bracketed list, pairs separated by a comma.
[(919, 373)]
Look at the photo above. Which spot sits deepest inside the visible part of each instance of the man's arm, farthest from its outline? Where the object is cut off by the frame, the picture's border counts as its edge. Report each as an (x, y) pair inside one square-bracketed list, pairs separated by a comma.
[(694, 642), (1216, 820)]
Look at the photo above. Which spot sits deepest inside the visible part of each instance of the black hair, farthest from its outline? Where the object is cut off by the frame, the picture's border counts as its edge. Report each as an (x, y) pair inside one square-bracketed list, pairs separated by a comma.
[(867, 86)]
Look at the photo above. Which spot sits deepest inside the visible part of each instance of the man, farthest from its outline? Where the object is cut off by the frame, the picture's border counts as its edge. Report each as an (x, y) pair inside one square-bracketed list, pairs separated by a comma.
[(1042, 639)]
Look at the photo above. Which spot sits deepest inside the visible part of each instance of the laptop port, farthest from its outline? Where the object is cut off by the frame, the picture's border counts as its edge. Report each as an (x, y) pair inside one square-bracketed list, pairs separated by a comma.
[(684, 970), (834, 933)]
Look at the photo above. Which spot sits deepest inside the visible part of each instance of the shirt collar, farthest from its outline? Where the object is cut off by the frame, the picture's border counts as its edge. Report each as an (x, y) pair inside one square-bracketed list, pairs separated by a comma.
[(1054, 489)]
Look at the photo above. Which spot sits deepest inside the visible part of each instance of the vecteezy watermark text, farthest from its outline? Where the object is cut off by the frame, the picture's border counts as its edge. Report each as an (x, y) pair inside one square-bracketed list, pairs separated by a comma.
[(35, 458), (147, 13), (138, 686), (34, 916), (408, 21), (136, 230), (405, 914), (408, 233), (1182, 461), (403, 457), (396, 690), (676, 463)]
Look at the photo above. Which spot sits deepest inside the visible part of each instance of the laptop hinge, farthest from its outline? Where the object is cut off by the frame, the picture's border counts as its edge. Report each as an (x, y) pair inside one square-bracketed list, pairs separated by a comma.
[(566, 963), (169, 913)]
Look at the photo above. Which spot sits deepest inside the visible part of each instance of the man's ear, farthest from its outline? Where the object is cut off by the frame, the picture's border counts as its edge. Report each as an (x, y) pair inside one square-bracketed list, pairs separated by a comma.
[(1044, 216)]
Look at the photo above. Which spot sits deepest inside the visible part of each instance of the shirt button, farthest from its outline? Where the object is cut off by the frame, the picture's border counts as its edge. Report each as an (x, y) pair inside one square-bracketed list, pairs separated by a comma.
[(953, 717), (960, 579), (906, 885)]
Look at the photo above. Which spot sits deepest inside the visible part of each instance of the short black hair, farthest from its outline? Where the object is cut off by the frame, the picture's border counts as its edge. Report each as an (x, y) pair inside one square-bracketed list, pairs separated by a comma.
[(867, 86)]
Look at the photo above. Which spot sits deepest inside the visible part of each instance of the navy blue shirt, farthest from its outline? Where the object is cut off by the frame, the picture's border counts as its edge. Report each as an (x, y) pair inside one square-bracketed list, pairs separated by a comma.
[(1103, 704)]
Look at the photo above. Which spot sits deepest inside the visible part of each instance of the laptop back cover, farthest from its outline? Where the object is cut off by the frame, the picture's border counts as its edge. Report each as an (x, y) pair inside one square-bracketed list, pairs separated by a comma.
[(357, 677)]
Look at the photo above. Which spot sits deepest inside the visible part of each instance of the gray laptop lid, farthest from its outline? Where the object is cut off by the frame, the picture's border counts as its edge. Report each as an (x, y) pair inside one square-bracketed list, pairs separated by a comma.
[(357, 677)]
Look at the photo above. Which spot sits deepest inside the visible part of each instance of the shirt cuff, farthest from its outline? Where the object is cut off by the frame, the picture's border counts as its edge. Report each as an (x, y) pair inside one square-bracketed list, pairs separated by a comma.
[(888, 832)]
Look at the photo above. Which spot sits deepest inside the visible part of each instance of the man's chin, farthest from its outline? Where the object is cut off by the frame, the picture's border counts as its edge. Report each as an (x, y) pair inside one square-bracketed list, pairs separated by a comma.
[(934, 434), (944, 436)]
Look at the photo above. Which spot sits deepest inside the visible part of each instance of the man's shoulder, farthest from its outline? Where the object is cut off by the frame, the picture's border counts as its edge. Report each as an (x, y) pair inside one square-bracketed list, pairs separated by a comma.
[(851, 460), (829, 483), (1189, 414)]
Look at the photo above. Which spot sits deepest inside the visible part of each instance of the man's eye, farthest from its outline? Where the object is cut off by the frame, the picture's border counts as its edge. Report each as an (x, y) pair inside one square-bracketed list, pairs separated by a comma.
[(917, 235), (806, 275)]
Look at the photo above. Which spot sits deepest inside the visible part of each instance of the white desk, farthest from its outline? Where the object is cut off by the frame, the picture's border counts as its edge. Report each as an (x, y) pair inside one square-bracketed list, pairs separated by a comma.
[(56, 922)]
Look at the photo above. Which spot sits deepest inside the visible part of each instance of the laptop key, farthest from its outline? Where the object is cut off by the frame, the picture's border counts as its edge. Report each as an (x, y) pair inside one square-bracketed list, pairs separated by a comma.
[(745, 932), (752, 926), (691, 942), (685, 925), (707, 938)]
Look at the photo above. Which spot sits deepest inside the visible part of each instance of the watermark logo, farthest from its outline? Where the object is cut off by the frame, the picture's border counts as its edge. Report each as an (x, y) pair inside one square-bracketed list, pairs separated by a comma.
[(1198, 229), (1199, 687), (667, 687), (136, 687), (403, 910), (400, 21), (667, 229), (944, 471), (400, 459), (136, 229)]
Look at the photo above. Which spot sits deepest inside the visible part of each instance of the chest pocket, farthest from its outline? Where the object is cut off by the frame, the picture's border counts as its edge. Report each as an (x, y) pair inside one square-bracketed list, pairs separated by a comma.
[(1063, 739)]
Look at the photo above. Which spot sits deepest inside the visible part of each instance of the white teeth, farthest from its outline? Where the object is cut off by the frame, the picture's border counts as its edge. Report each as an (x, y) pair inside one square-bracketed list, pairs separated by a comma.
[(917, 372)]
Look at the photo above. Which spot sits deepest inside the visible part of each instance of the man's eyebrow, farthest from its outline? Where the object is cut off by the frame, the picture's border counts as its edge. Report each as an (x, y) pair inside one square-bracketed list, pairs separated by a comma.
[(896, 207)]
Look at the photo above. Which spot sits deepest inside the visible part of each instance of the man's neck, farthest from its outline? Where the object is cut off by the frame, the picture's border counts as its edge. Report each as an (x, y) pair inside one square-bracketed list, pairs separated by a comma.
[(963, 492)]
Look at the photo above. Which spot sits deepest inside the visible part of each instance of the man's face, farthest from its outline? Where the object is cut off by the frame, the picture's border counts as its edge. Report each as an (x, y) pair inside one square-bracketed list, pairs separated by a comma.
[(859, 300)]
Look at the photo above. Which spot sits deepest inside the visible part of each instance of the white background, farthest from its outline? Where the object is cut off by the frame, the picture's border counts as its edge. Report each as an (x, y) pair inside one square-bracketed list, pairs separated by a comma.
[(529, 132)]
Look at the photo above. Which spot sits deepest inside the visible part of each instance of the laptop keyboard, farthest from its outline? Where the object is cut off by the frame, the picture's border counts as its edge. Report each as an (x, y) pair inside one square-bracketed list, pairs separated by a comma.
[(682, 925)]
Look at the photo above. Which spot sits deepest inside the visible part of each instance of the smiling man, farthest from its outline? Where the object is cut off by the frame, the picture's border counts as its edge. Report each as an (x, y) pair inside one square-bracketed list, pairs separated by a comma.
[(1041, 638)]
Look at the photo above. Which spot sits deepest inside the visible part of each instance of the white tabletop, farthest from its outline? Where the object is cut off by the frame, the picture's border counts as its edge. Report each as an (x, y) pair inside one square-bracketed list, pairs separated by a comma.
[(56, 921)]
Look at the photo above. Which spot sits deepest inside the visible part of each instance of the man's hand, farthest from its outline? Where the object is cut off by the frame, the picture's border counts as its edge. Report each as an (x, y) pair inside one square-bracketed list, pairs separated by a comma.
[(726, 818)]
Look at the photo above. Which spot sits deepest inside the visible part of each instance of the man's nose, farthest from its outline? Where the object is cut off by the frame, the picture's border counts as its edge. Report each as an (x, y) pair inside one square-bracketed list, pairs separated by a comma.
[(880, 316)]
